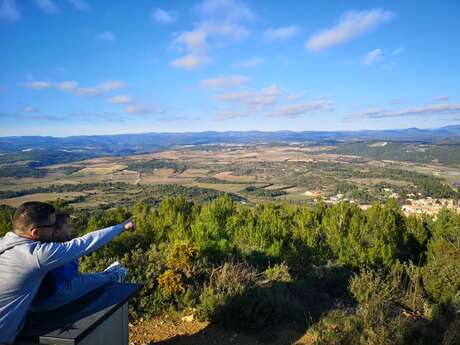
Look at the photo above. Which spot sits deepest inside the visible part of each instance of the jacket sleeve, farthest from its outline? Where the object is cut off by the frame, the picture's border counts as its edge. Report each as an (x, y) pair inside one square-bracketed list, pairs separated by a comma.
[(55, 254)]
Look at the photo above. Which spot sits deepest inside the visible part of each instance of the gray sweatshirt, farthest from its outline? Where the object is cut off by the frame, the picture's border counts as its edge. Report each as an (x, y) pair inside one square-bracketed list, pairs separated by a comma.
[(24, 263)]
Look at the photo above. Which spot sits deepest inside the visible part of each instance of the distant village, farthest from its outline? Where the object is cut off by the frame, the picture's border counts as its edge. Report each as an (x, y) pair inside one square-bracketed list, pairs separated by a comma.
[(429, 205), (414, 203)]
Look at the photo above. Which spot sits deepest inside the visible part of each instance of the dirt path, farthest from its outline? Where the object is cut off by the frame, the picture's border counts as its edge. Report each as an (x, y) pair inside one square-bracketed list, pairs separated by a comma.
[(165, 331)]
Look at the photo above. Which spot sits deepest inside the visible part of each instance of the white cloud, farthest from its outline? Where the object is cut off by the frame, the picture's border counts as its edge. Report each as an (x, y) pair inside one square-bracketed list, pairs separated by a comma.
[(441, 98), (226, 81), (100, 89), (231, 10), (430, 109), (47, 6), (302, 108), (352, 24), (223, 33), (219, 22), (282, 33), (70, 85), (106, 36), (141, 109), (190, 62), (252, 62), (194, 41), (228, 114), (73, 87), (92, 115), (398, 51), (80, 5), (239, 96), (9, 11), (34, 116), (294, 96), (387, 67), (258, 99), (37, 85), (372, 57), (266, 102), (121, 99), (163, 16), (370, 112)]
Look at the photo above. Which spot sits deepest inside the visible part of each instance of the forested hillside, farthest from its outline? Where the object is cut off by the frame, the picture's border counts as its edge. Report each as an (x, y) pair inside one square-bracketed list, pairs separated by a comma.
[(345, 275)]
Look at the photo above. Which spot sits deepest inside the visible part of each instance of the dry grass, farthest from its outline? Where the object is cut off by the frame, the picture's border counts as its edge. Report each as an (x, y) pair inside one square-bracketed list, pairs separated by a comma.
[(223, 187), (164, 172), (100, 169), (228, 176), (164, 180), (194, 173)]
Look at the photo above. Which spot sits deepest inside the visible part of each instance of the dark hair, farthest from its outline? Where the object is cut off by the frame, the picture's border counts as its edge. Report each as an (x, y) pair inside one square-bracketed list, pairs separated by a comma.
[(33, 213), (61, 219)]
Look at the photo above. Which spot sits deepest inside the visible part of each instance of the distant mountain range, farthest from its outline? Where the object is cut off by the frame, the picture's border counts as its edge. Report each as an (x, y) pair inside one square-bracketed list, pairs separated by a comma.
[(135, 143)]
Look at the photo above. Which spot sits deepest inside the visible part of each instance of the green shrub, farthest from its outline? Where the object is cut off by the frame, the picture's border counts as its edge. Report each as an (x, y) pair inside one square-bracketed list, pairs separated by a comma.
[(278, 273), (224, 283), (378, 287), (180, 258), (209, 301), (144, 267), (231, 279), (6, 218), (170, 283), (393, 309), (441, 274)]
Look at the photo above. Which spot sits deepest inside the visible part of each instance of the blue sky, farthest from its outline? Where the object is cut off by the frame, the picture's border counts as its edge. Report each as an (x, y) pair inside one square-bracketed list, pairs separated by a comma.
[(71, 67)]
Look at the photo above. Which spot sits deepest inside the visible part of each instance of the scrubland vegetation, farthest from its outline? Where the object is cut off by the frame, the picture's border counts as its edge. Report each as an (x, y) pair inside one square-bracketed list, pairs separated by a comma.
[(345, 275)]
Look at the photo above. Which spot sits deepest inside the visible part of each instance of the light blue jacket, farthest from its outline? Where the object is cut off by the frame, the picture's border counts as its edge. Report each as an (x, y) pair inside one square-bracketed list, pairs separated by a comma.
[(24, 263)]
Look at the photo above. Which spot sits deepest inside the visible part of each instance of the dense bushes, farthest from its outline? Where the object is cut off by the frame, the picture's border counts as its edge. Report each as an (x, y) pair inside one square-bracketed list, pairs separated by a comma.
[(6, 218), (392, 310), (361, 277), (358, 277), (442, 272)]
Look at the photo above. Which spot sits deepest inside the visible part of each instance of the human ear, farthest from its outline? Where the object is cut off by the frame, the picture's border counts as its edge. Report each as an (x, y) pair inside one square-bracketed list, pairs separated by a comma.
[(34, 234)]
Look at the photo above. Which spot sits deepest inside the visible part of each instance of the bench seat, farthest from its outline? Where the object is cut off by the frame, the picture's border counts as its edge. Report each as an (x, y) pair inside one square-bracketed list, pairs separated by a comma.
[(100, 317)]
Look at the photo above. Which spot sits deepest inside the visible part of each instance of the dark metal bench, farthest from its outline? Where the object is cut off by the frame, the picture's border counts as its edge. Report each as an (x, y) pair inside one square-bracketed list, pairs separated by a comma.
[(100, 317)]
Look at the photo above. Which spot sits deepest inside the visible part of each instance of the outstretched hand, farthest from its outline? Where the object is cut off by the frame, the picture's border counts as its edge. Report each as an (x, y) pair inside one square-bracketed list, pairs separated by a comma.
[(129, 225)]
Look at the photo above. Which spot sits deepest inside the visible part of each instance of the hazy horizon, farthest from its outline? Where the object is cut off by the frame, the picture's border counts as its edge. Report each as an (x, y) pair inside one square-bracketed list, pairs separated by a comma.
[(229, 131), (85, 68)]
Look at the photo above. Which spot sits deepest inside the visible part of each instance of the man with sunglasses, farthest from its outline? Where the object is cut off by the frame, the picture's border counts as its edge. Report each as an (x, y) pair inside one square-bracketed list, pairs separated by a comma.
[(28, 253)]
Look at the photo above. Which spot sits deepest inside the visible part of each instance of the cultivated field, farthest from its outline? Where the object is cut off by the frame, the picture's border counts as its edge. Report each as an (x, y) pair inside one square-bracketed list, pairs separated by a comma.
[(256, 173)]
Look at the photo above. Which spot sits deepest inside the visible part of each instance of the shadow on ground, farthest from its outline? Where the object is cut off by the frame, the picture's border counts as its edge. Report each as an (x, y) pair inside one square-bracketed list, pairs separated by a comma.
[(216, 335), (273, 313)]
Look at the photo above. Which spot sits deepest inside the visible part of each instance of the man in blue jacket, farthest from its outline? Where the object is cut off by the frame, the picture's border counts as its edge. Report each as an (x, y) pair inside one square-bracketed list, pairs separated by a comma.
[(28, 253)]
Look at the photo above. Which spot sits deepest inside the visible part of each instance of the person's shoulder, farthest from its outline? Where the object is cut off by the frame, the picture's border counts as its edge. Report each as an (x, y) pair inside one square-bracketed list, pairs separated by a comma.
[(47, 247), (12, 241)]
